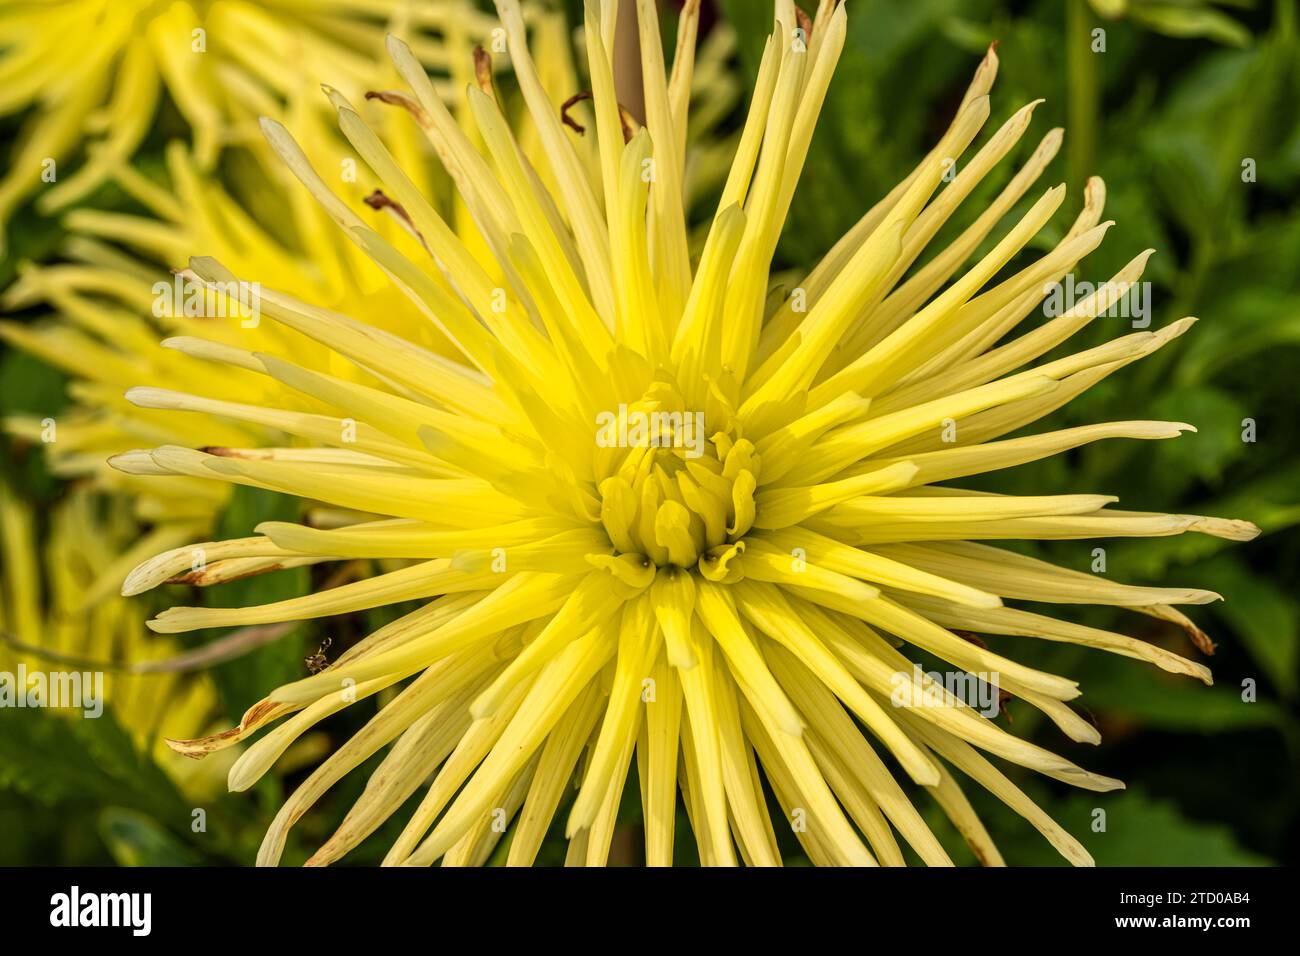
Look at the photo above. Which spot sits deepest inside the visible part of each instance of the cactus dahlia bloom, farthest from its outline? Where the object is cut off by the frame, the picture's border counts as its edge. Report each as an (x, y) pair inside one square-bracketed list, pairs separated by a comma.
[(220, 62), (649, 512)]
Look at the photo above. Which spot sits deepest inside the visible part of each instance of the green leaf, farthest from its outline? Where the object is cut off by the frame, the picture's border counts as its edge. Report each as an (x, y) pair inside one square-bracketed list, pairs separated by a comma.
[(1156, 700), (55, 758), (1266, 620), (1216, 443), (1187, 21), (1140, 830), (138, 840), (1249, 322)]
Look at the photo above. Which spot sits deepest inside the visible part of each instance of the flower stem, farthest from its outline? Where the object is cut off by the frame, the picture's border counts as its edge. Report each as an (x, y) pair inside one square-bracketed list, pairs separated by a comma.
[(1084, 93)]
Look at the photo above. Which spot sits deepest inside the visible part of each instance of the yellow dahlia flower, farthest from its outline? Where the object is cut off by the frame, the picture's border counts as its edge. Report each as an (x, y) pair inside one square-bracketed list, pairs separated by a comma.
[(89, 74), (79, 625), (649, 510)]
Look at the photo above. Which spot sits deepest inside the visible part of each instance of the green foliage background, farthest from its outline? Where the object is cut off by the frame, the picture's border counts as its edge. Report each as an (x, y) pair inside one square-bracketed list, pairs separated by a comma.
[(1182, 95)]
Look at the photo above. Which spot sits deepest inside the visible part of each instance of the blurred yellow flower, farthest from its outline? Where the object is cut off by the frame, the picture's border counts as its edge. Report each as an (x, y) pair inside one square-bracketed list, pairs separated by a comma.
[(90, 74), (57, 594)]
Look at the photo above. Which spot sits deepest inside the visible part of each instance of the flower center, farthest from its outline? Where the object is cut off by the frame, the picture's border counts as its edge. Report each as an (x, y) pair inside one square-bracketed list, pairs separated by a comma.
[(678, 493)]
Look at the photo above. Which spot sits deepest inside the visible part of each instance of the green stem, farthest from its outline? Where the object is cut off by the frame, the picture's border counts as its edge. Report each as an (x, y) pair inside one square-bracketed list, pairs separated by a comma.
[(1084, 93)]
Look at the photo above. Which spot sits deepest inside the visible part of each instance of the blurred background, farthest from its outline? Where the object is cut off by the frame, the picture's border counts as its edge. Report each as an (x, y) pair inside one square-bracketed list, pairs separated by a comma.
[(1187, 110)]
